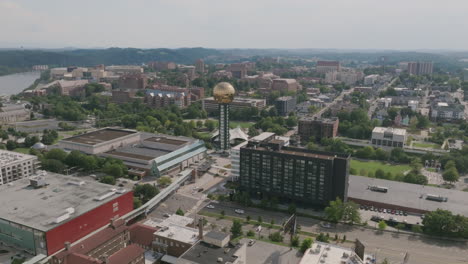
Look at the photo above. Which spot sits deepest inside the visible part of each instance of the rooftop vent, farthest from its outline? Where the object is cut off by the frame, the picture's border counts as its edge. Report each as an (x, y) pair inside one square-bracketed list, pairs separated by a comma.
[(37, 182), (103, 196), (76, 183)]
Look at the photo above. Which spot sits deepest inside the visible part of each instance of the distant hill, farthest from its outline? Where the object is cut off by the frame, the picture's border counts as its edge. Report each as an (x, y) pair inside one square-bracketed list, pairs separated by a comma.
[(15, 60), (90, 57)]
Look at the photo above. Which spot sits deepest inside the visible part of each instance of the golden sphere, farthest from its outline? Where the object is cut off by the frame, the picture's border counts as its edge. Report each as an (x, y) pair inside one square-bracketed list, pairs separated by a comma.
[(224, 93)]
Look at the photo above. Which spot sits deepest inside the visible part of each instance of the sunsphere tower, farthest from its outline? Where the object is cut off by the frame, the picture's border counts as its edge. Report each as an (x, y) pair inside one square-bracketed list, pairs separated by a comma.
[(223, 93)]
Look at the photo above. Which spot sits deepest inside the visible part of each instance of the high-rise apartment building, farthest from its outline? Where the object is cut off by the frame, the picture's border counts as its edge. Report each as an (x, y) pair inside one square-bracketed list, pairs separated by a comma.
[(15, 166), (420, 68), (269, 169)]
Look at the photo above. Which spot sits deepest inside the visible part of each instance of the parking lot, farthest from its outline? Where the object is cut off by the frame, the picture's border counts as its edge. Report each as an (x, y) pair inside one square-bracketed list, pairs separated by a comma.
[(386, 214)]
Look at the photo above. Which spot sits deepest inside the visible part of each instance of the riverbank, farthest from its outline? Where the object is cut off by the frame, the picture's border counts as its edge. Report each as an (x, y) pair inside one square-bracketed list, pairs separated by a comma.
[(16, 83)]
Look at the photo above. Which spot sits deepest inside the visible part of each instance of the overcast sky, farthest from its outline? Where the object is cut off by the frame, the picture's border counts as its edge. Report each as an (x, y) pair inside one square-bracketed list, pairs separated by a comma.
[(343, 24)]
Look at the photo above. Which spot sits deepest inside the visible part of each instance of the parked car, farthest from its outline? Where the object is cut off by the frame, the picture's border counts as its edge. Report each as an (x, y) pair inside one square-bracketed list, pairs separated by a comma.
[(251, 242), (325, 225), (405, 213), (210, 206), (376, 218), (239, 211)]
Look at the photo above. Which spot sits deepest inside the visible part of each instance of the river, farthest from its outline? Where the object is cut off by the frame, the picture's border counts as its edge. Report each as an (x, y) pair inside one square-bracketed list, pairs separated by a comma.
[(16, 83)]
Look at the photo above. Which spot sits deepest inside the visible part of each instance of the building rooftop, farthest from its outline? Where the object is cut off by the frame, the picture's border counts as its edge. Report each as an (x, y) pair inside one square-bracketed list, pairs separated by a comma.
[(408, 195), (8, 157), (206, 253), (322, 253), (99, 136), (394, 131), (172, 219), (126, 255), (284, 98), (63, 199), (216, 235), (328, 63), (180, 233)]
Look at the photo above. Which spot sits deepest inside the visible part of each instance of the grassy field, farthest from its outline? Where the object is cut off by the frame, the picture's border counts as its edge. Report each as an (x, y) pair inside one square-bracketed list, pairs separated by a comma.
[(234, 124), (426, 145), (22, 150), (375, 165)]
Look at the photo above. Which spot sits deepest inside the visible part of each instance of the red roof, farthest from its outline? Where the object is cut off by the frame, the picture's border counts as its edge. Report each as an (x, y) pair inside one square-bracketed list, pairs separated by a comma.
[(328, 63), (142, 234), (76, 258), (126, 255), (95, 240)]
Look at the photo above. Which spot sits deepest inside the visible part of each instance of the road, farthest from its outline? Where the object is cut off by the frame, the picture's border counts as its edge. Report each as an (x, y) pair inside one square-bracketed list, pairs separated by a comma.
[(374, 102), (390, 245), (338, 98)]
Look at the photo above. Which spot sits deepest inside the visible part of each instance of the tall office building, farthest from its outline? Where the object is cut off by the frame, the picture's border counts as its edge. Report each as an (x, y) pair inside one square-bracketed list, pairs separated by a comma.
[(420, 68), (224, 95), (270, 169), (317, 128), (285, 104), (200, 66)]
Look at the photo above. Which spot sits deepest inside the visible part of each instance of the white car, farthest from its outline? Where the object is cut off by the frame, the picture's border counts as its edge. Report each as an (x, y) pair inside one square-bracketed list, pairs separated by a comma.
[(325, 225), (239, 211), (210, 206)]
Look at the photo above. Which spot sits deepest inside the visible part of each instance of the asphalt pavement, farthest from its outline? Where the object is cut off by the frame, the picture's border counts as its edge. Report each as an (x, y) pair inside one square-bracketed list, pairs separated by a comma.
[(390, 245)]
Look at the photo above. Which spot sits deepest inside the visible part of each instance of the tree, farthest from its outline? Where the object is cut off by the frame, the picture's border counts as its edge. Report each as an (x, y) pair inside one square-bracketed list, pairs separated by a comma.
[(223, 214), (180, 212), (295, 241), (292, 208), (379, 174), (322, 238), (57, 154), (416, 165), (351, 213), (250, 233), (382, 225), (416, 229), (306, 244), (145, 192), (137, 203), (334, 212), (11, 145), (400, 226), (451, 175), (260, 219), (272, 223), (108, 180), (253, 132), (114, 169), (276, 237), (236, 228), (53, 165), (385, 261), (444, 223), (366, 153), (423, 122), (449, 164), (381, 154), (165, 180), (210, 124), (248, 219)]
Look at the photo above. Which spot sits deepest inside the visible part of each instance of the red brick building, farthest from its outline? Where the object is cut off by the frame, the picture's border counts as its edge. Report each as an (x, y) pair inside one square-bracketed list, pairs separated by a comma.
[(317, 128), (133, 81)]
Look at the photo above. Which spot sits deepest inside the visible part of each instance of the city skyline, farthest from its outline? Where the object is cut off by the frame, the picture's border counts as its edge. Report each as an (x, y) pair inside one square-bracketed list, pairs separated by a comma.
[(398, 25)]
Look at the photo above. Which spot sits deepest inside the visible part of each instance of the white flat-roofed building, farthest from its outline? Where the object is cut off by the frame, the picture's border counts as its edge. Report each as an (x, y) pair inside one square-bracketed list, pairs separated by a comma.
[(123, 69), (14, 166), (321, 253), (389, 137), (413, 104)]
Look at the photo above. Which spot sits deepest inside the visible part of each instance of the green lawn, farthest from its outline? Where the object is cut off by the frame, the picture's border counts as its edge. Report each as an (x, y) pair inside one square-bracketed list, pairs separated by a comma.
[(426, 145), (22, 150), (234, 124), (374, 165)]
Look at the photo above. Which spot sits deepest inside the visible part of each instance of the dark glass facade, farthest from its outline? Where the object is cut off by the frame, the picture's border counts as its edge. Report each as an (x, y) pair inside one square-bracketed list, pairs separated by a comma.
[(294, 174)]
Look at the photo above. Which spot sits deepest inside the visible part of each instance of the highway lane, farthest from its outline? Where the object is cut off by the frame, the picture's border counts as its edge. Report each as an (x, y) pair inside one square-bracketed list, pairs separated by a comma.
[(385, 244)]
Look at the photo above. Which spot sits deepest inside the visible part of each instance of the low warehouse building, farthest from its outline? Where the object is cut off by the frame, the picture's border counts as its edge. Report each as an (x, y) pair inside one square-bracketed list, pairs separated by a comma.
[(38, 215), (405, 196)]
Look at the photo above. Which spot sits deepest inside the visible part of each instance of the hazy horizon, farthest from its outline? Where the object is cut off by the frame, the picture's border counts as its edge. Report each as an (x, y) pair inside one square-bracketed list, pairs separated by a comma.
[(296, 24)]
